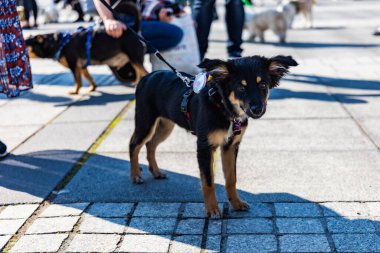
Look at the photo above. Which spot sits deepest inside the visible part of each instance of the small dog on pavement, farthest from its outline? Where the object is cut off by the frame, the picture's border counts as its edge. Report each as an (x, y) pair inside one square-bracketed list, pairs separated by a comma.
[(218, 115), (259, 21), (303, 7)]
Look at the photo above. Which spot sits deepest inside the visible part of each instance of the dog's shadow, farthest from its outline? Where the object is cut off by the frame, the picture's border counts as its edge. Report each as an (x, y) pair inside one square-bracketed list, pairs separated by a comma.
[(105, 178)]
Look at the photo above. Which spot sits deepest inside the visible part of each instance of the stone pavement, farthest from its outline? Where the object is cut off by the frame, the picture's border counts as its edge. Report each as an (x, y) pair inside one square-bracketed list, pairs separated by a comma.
[(310, 168)]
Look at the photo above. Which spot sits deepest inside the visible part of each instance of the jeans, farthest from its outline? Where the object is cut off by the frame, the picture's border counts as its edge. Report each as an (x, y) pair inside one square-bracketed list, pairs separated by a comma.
[(161, 35), (203, 16), (30, 5)]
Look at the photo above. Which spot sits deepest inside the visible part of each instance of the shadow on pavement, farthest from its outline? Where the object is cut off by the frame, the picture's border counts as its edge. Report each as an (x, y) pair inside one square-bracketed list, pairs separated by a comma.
[(102, 99), (106, 179)]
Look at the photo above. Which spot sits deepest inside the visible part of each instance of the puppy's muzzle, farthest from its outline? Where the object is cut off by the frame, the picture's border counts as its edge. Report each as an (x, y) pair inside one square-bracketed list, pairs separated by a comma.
[(256, 111)]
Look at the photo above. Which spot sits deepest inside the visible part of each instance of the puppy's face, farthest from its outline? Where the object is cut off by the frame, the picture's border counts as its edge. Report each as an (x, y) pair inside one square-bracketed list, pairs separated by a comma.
[(42, 46), (246, 81)]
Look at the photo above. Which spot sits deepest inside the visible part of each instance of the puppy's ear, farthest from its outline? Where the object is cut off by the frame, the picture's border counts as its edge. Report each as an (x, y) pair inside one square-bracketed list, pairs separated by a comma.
[(215, 65), (279, 67)]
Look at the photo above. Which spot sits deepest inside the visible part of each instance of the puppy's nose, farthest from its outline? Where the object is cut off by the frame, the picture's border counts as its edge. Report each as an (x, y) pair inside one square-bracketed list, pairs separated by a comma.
[(256, 110)]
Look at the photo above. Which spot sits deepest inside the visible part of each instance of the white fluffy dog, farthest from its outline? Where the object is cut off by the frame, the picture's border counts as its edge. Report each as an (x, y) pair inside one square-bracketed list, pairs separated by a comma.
[(258, 22), (290, 11), (50, 14), (293, 7)]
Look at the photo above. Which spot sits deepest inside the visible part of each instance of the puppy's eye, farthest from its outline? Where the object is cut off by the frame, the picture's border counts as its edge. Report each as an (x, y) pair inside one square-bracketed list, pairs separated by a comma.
[(262, 86)]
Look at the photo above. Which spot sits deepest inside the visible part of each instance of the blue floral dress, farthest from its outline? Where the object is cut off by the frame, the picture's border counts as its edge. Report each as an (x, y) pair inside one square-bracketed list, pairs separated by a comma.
[(15, 75)]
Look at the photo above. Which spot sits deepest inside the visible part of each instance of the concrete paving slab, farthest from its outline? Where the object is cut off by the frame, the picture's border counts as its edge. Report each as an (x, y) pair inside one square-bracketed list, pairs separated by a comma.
[(157, 210), (18, 211), (251, 243), (214, 227), (151, 226), (110, 209), (345, 209), (374, 208), (302, 135), (39, 243), (186, 244), (299, 226), (72, 137), (371, 127), (213, 244), (255, 210), (3, 240), (304, 243), (10, 227), (306, 176), (52, 225), (145, 243), (98, 225), (93, 243), (249, 226), (343, 225), (18, 135), (190, 226), (296, 210), (72, 209), (29, 178), (357, 242)]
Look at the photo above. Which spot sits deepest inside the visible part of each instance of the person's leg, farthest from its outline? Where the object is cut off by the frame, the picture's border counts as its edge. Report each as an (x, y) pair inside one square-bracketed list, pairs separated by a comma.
[(78, 8), (162, 36), (35, 11), (235, 24), (203, 16), (27, 9), (3, 150)]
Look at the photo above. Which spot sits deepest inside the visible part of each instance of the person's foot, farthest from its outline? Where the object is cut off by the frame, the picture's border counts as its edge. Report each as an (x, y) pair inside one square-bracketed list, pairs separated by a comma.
[(234, 55), (377, 31), (3, 150)]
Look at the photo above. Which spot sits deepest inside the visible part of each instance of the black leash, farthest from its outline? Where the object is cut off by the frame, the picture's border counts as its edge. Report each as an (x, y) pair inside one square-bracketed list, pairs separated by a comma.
[(157, 53)]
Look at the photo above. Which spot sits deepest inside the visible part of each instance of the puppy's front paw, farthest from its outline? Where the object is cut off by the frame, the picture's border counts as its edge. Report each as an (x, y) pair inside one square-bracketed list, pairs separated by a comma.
[(239, 205), (73, 92), (137, 180), (213, 212)]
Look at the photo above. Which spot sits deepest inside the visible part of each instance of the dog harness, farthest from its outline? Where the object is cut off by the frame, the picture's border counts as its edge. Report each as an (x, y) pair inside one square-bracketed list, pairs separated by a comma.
[(66, 37), (212, 93)]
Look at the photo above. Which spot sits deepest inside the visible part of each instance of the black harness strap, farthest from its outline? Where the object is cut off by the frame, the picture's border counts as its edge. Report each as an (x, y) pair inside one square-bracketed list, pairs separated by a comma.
[(185, 106)]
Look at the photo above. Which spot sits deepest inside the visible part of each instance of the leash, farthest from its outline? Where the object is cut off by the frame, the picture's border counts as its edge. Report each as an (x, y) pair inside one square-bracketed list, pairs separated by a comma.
[(187, 81)]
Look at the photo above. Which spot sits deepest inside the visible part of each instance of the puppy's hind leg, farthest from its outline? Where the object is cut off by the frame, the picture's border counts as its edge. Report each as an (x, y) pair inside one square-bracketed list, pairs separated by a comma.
[(144, 131), (163, 130), (89, 79)]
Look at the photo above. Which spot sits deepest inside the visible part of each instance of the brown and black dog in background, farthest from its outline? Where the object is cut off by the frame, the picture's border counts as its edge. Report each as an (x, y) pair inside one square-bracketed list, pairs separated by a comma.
[(238, 89), (120, 54)]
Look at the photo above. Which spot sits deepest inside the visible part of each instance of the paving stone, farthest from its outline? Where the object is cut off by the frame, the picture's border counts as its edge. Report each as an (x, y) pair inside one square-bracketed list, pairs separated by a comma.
[(18, 211), (304, 243), (39, 243), (214, 227), (151, 225), (251, 243), (347, 209), (93, 243), (357, 242), (197, 210), (110, 209), (190, 226), (256, 210), (374, 208), (102, 225), (157, 209), (249, 226), (186, 244), (3, 240), (213, 244), (73, 209), (299, 225), (10, 227), (296, 210), (344, 225), (52, 225), (145, 243)]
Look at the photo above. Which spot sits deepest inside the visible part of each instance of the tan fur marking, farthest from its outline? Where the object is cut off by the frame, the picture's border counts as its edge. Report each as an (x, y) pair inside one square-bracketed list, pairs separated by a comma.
[(244, 82), (63, 61), (217, 138), (89, 79), (258, 79), (140, 72), (32, 55), (236, 103), (78, 81)]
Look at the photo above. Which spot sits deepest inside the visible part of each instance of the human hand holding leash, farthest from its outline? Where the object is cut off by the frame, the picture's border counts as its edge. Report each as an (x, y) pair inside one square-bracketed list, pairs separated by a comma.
[(114, 28), (165, 15)]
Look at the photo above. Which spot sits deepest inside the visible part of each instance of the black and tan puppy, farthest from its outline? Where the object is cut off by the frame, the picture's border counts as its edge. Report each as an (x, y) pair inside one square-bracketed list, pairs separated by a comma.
[(235, 90), (116, 53)]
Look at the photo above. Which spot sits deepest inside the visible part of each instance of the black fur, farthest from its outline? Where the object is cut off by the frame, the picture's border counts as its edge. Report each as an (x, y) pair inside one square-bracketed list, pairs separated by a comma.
[(159, 94)]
